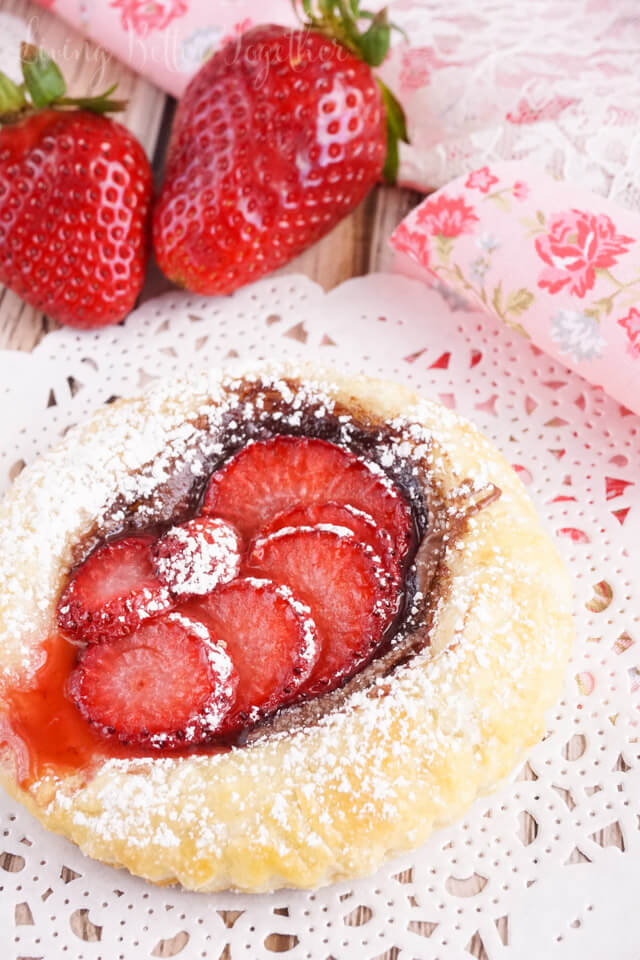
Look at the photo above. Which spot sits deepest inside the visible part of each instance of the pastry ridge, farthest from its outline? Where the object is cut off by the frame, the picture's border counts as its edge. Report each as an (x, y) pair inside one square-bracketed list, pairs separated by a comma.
[(366, 781)]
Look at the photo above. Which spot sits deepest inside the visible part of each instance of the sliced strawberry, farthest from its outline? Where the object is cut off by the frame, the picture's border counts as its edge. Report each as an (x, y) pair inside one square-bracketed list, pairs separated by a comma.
[(196, 557), (274, 475), (271, 640), (113, 591), (348, 592), (165, 685), (344, 515)]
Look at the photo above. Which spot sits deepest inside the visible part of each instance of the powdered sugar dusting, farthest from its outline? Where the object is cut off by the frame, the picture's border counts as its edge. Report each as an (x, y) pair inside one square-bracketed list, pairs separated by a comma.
[(429, 708), (198, 556), (342, 532)]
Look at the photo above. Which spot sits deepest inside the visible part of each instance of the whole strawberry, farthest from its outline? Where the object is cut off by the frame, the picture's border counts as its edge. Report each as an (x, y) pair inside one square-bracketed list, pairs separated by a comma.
[(75, 199), (280, 135)]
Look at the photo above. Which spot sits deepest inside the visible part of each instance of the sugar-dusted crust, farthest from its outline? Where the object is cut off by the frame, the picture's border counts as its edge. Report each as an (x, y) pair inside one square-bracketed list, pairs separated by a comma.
[(375, 777)]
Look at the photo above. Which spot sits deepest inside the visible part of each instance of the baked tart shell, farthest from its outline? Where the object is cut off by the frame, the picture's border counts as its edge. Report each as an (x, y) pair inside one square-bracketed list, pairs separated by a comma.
[(390, 760)]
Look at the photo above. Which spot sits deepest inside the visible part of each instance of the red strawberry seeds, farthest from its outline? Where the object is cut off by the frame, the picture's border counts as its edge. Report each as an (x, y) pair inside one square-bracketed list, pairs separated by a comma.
[(113, 592), (347, 591), (278, 137), (271, 639), (165, 685)]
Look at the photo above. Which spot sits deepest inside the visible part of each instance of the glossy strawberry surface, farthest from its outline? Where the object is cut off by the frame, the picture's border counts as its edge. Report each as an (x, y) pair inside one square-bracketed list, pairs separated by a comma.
[(113, 592), (271, 640), (340, 515), (165, 685), (279, 136), (271, 476), (347, 591), (75, 198)]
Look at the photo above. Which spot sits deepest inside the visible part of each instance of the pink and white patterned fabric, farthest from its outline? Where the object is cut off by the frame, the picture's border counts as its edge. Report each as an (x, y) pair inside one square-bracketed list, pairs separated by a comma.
[(560, 266), (553, 81)]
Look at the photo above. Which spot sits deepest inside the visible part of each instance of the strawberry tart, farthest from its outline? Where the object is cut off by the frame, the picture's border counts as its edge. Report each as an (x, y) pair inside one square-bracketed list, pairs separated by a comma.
[(264, 628)]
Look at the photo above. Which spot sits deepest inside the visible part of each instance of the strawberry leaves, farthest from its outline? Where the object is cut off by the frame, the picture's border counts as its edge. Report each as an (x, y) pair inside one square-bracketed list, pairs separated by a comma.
[(374, 43), (44, 86), (42, 76), (340, 19), (396, 131), (12, 98)]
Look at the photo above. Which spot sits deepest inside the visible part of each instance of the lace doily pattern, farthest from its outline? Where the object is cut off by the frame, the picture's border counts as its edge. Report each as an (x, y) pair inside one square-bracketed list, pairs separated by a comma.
[(547, 866), (551, 81)]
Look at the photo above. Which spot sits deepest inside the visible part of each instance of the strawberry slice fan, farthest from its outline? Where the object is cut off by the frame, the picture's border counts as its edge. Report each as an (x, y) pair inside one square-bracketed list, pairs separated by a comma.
[(268, 597)]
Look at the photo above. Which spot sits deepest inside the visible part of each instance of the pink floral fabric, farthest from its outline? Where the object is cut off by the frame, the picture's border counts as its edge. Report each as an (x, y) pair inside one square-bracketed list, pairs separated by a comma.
[(631, 325), (481, 180), (560, 266), (168, 40), (142, 15), (482, 81), (576, 245), (446, 217)]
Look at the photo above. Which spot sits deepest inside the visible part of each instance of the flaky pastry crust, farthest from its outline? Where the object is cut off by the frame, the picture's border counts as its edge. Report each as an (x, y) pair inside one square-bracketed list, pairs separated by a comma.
[(370, 779)]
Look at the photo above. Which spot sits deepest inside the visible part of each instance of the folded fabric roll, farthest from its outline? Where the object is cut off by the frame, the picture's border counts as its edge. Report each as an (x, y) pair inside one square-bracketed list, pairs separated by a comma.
[(481, 80), (557, 263)]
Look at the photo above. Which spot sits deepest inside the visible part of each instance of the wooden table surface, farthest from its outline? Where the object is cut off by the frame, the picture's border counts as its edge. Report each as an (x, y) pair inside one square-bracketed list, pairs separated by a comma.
[(356, 246)]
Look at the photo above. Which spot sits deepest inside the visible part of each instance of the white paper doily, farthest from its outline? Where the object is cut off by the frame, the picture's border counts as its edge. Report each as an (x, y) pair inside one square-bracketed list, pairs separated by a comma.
[(548, 867)]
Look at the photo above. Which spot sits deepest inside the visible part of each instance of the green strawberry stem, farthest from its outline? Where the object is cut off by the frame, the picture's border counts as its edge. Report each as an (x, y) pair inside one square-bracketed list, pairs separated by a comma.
[(341, 20), (100, 104), (44, 86)]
